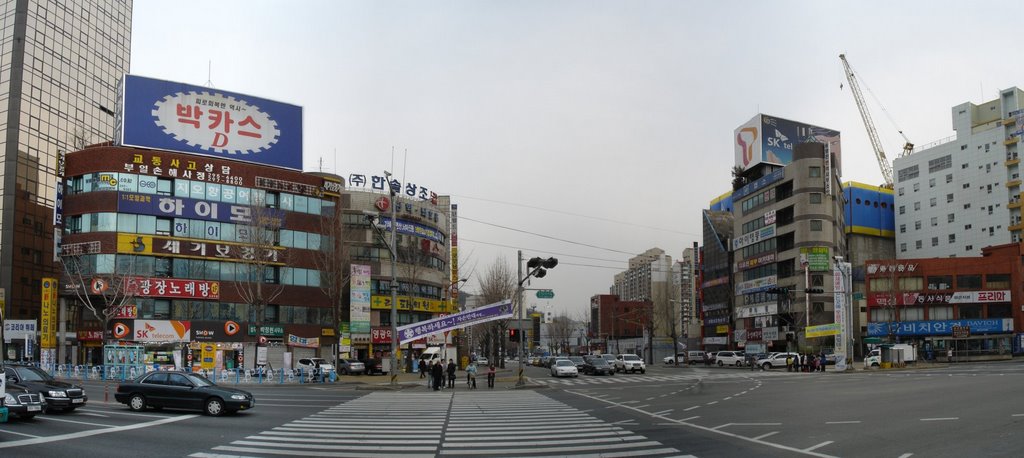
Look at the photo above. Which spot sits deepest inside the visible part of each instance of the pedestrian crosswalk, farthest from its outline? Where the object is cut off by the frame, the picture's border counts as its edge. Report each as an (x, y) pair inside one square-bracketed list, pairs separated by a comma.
[(491, 424), (632, 378)]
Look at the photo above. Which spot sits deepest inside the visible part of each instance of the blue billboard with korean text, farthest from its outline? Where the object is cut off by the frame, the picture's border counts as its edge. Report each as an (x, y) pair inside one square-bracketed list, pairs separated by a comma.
[(180, 117)]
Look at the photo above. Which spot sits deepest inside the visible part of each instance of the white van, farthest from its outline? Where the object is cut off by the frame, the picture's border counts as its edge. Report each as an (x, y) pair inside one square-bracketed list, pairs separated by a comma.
[(431, 354)]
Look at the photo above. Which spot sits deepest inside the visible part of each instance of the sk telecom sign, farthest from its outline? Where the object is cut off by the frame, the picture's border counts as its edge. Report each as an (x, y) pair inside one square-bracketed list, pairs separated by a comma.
[(200, 120)]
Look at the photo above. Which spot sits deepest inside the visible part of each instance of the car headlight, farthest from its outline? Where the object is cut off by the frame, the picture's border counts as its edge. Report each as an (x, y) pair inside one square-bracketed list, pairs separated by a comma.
[(57, 394), (238, 397), (10, 400)]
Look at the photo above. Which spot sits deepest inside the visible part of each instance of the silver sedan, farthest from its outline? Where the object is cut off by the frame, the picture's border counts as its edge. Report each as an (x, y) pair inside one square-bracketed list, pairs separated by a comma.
[(564, 368)]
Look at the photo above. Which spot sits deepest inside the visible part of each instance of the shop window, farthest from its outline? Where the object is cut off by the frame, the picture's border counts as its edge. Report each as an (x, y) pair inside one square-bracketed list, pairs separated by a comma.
[(271, 313), (912, 314), (911, 283), (164, 186), (940, 312), (971, 311), (940, 282), (814, 172), (1000, 311)]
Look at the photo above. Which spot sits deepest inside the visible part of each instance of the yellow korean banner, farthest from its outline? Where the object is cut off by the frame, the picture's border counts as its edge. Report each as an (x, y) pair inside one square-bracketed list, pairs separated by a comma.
[(48, 314), (823, 330)]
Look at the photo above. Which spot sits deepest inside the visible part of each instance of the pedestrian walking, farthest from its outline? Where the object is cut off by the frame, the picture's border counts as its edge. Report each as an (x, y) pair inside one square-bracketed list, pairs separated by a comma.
[(490, 376), (438, 372), (789, 363), (451, 373), (471, 376), (949, 356), (429, 369), (423, 369), (822, 361), (803, 363)]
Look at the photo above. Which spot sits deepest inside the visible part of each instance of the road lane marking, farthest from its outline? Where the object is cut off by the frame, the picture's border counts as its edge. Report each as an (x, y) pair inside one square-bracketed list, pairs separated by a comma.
[(906, 455), (765, 435), (663, 412), (730, 397), (850, 422), (94, 432), (1017, 415), (126, 413), (818, 446), (691, 408), (941, 419), (712, 403), (645, 405), (690, 418)]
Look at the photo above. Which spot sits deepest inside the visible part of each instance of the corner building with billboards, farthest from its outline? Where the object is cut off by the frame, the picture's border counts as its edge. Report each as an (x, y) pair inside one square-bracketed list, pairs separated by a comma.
[(177, 224)]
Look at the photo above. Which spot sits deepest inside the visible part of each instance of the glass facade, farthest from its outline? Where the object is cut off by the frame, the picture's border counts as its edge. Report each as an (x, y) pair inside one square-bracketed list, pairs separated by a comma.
[(60, 63)]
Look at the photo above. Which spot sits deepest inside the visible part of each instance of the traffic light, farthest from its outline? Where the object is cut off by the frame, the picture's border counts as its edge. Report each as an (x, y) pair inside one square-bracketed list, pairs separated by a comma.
[(513, 335), (539, 266), (778, 290), (814, 290)]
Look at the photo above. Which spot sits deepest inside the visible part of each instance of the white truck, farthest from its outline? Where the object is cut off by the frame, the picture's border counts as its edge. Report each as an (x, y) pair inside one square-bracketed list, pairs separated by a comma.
[(899, 353)]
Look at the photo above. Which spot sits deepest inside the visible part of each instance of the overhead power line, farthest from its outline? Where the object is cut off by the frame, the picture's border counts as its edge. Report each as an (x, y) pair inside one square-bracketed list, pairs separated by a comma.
[(545, 236), (538, 251), (579, 215)]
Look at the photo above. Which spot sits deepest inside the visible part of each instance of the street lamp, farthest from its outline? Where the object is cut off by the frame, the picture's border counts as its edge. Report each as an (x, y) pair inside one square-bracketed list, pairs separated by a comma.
[(537, 267)]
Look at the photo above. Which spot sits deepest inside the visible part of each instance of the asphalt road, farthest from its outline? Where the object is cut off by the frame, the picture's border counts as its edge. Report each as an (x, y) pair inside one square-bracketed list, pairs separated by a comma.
[(962, 410)]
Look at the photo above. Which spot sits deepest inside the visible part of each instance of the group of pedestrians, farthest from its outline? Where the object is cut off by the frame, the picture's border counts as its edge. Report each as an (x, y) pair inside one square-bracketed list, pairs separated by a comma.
[(806, 363), (435, 373)]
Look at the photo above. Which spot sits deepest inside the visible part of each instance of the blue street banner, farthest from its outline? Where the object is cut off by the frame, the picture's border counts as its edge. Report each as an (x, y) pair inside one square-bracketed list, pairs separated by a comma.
[(492, 312), (940, 327)]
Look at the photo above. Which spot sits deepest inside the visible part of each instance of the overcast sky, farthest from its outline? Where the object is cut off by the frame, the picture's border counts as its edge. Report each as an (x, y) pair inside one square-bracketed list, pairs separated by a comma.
[(608, 124)]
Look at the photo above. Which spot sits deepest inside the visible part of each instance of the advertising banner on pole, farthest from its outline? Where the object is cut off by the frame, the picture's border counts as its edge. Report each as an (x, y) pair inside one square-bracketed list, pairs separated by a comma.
[(48, 314), (492, 312), (359, 299), (839, 298)]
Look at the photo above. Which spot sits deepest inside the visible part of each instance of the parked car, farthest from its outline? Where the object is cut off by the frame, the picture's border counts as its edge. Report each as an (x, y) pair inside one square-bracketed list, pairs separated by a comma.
[(56, 394), (315, 365), (695, 357), (729, 358), (672, 359), (564, 368), (596, 365), (348, 366), (182, 390), (628, 362), (482, 361), (774, 360), (374, 366), (610, 358), (23, 403)]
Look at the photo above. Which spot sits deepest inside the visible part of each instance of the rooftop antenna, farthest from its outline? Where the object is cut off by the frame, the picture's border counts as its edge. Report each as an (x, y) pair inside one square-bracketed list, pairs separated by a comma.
[(209, 74)]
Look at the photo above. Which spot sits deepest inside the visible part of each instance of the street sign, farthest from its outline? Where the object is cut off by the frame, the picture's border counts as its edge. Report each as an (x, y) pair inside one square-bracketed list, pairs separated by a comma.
[(858, 296), (546, 294)]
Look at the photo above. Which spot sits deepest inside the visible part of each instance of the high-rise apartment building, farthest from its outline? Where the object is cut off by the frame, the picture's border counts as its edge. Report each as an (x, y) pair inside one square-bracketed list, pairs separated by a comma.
[(963, 193), (60, 63)]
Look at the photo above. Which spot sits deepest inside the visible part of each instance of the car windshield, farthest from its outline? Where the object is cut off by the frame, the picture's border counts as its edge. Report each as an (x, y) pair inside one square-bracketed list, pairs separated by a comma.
[(32, 374), (599, 362), (199, 380), (564, 362), (576, 359), (631, 358)]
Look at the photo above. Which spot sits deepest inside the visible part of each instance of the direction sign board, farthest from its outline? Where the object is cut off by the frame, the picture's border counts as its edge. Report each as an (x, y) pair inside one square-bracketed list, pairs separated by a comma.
[(546, 294)]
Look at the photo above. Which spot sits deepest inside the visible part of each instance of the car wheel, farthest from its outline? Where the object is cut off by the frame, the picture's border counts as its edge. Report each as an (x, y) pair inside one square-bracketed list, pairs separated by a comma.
[(739, 363), (720, 364), (137, 402), (214, 407), (874, 364), (766, 366), (643, 371)]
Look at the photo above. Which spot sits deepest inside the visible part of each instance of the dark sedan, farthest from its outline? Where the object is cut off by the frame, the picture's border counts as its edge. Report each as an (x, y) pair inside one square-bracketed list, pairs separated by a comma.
[(596, 365), (57, 395), (182, 390), (23, 403)]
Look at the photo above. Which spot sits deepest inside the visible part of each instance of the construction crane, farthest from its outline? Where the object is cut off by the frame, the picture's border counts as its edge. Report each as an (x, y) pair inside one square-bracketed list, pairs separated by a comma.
[(883, 162)]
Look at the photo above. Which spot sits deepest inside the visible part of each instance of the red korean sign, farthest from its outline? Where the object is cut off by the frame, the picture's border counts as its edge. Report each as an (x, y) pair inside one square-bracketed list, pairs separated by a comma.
[(173, 288), (961, 297), (126, 311), (90, 336), (380, 335)]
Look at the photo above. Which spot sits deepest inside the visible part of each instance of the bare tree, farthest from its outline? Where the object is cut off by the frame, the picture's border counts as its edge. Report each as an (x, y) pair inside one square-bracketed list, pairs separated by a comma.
[(560, 329), (103, 289), (498, 283), (670, 318), (256, 276), (333, 262)]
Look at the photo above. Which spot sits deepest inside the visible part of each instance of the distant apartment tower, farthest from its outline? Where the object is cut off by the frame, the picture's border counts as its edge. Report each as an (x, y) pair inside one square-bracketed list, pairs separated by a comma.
[(963, 193), (62, 63), (715, 296), (685, 282), (788, 223), (649, 279)]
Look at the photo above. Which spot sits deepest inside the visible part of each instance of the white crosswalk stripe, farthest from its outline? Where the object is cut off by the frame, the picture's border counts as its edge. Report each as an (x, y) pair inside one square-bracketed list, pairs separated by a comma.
[(694, 376), (491, 424)]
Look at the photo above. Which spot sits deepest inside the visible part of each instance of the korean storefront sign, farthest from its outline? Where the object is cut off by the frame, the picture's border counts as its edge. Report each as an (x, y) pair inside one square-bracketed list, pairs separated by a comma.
[(267, 330), (940, 327), (823, 330), (216, 331), (197, 249), (817, 258), (416, 229), (419, 304), (380, 335), (182, 207), (173, 288), (956, 297), (380, 184), (753, 237), (161, 331), (18, 328)]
